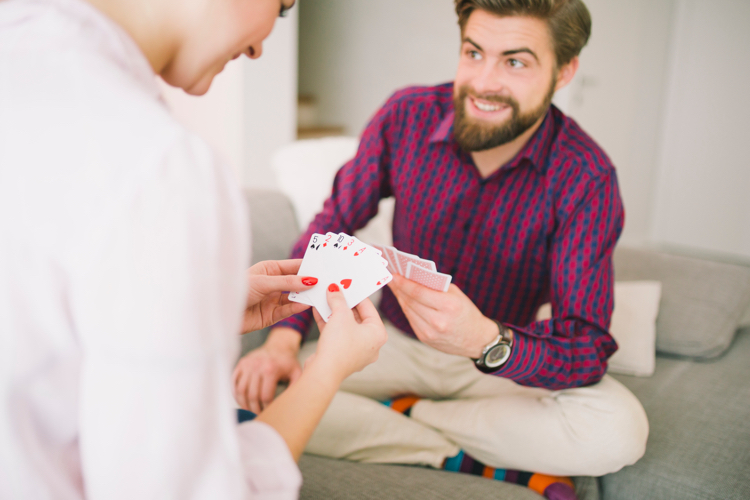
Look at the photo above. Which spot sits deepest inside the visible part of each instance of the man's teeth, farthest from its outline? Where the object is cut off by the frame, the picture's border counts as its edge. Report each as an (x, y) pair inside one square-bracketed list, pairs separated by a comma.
[(486, 107)]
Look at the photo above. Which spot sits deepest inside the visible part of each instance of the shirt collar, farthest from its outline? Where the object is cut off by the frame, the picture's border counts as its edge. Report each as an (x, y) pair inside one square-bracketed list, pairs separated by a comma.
[(536, 150), (117, 44)]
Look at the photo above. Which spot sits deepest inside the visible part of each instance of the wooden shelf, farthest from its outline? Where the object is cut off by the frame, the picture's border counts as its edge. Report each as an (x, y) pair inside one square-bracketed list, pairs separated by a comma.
[(317, 132)]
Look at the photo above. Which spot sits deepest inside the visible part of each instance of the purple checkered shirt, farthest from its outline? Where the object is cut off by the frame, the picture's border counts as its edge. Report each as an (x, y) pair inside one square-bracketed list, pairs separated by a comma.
[(540, 229)]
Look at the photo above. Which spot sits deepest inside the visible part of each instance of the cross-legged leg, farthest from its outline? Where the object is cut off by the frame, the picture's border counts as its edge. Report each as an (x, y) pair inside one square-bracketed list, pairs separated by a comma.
[(587, 431), (357, 426)]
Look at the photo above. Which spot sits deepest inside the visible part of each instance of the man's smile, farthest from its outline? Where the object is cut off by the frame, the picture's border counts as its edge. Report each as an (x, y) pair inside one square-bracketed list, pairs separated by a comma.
[(487, 109)]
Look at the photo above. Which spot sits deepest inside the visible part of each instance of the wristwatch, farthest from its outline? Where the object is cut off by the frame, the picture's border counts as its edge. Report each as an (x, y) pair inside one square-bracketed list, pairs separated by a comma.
[(496, 353)]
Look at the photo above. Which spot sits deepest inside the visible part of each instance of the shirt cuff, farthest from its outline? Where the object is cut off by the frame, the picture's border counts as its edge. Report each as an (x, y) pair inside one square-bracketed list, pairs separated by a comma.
[(526, 357), (270, 470), (300, 322)]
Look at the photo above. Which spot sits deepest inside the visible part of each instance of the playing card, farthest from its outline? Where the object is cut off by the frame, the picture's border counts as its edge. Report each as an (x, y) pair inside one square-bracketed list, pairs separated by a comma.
[(390, 254), (431, 279), (357, 268), (309, 263), (316, 261), (405, 258)]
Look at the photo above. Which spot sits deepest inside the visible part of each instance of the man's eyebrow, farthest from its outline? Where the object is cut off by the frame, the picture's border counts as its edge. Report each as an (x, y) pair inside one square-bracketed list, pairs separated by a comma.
[(475, 44), (507, 52), (518, 51)]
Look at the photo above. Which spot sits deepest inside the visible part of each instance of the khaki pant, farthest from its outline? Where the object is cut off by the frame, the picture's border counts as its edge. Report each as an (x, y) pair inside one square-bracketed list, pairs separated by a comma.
[(587, 431)]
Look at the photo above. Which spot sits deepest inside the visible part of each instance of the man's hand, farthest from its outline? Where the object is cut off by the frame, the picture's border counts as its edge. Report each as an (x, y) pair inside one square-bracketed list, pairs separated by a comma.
[(448, 321), (266, 302), (259, 372)]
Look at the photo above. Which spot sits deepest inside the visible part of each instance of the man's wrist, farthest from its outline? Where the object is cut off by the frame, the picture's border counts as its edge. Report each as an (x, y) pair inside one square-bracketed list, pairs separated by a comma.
[(284, 339), (489, 332)]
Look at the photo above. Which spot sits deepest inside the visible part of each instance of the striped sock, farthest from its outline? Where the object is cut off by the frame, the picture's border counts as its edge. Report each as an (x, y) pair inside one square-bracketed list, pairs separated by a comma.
[(402, 404), (551, 487)]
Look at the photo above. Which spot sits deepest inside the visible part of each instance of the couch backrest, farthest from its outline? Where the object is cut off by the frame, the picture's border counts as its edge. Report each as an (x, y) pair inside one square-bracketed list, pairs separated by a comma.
[(702, 303), (274, 224)]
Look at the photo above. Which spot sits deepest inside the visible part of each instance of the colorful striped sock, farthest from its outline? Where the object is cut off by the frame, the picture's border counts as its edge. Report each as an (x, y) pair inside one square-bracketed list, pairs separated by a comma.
[(551, 487), (402, 404)]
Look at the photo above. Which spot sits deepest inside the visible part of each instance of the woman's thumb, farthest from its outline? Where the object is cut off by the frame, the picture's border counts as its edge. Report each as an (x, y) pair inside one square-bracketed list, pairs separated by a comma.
[(335, 298)]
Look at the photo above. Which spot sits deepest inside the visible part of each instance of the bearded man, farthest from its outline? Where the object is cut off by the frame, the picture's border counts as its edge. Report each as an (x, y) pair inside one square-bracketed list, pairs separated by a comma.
[(515, 201)]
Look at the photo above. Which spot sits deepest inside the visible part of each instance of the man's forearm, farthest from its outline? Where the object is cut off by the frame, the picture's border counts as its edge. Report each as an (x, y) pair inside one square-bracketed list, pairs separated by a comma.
[(283, 337)]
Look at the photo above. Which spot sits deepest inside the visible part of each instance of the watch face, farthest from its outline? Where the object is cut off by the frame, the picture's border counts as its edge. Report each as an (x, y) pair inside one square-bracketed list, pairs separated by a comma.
[(497, 356)]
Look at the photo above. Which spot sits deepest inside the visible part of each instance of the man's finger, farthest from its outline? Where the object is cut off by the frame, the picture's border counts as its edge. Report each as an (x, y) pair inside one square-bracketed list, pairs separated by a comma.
[(238, 387), (252, 394), (241, 392), (420, 293), (417, 322), (268, 390)]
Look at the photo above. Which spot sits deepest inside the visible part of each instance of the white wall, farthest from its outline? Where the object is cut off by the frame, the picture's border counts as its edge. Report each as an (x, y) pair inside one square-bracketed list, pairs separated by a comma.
[(618, 95), (355, 53), (703, 199), (250, 110)]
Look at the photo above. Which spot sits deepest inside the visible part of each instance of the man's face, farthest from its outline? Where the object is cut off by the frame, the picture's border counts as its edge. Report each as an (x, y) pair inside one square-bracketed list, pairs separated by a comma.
[(228, 29), (505, 81)]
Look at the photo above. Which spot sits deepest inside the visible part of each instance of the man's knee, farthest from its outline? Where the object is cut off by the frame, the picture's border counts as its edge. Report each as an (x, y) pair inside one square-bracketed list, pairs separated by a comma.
[(618, 438)]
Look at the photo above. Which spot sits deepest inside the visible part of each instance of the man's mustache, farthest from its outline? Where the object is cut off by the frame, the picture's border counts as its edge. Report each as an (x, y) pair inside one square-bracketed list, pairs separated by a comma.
[(496, 98)]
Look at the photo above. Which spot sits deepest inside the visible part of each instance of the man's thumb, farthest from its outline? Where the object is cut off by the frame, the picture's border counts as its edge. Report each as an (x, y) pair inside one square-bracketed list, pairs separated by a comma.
[(335, 298)]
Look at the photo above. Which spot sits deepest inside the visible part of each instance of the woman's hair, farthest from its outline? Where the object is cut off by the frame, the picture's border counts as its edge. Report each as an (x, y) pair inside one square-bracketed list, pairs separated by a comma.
[(569, 21)]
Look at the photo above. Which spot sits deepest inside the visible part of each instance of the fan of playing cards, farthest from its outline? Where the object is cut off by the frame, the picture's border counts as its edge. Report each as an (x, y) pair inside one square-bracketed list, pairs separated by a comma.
[(359, 269)]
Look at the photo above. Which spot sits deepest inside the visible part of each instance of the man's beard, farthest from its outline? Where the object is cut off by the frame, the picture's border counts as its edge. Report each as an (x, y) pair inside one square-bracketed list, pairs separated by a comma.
[(473, 135)]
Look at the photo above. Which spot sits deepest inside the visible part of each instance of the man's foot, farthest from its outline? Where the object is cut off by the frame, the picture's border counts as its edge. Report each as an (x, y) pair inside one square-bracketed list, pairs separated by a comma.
[(551, 487), (403, 404)]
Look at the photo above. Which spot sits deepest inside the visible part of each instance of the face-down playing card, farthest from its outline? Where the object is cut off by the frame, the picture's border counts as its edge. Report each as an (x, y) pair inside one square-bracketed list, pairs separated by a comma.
[(403, 259), (431, 279)]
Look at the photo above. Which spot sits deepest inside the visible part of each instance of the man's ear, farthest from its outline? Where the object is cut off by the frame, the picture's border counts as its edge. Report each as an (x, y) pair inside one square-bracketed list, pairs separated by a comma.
[(566, 73)]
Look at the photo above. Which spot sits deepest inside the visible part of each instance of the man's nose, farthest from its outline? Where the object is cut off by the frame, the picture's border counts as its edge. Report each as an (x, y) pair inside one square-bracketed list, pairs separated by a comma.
[(489, 80)]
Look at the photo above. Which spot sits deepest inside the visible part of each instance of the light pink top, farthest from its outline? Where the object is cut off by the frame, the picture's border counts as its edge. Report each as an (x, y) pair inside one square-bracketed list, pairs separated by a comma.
[(123, 246)]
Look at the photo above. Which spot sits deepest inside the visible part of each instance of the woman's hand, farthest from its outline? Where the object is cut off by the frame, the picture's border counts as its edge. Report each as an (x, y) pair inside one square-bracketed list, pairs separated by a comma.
[(266, 302), (350, 340)]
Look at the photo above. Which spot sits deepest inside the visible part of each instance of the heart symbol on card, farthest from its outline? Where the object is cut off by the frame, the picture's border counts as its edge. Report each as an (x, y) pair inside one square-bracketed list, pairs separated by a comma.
[(346, 283)]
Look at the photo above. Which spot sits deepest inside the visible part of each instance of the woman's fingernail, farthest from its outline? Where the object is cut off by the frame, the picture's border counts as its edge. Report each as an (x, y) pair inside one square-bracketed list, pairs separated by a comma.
[(333, 287), (309, 281)]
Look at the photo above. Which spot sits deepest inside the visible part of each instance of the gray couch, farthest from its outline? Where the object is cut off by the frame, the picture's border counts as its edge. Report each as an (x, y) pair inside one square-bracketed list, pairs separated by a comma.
[(697, 401)]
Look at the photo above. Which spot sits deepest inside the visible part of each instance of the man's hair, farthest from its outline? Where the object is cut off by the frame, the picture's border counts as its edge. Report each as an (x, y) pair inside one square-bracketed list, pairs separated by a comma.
[(569, 21)]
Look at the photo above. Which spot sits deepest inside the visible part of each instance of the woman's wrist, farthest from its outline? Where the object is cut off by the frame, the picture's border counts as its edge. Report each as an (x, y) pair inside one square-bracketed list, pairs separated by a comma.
[(326, 374)]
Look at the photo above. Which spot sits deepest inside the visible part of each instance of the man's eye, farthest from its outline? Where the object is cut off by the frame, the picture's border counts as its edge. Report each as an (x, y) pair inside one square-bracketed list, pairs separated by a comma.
[(475, 55), (515, 63)]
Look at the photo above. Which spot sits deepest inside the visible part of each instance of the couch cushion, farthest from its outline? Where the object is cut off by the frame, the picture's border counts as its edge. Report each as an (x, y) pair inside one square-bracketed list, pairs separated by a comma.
[(699, 444), (702, 301), (633, 326)]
